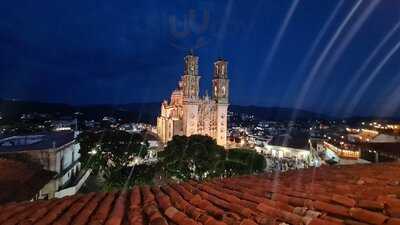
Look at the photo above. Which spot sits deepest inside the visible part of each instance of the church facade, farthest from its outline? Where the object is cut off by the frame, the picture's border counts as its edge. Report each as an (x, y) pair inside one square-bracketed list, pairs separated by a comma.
[(187, 113)]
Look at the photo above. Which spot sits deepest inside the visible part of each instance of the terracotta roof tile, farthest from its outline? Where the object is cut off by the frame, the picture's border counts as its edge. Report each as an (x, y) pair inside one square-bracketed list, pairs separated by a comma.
[(39, 213), (331, 208), (317, 221), (393, 221), (13, 209), (56, 211), (367, 216), (394, 212), (353, 222), (117, 214), (178, 217), (371, 205), (16, 218), (135, 213), (73, 211), (86, 212), (21, 181), (343, 200), (100, 215), (331, 219), (339, 195)]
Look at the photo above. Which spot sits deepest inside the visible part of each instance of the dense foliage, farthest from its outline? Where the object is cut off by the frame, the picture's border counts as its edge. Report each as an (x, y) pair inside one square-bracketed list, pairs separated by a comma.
[(194, 157), (129, 176), (243, 161), (111, 153), (199, 157)]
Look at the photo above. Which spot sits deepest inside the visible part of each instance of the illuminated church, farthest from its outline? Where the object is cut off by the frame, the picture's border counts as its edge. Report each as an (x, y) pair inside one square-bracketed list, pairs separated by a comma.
[(187, 113)]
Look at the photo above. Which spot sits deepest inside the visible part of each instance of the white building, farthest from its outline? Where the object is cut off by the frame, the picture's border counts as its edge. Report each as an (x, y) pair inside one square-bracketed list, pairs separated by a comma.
[(55, 151), (385, 138)]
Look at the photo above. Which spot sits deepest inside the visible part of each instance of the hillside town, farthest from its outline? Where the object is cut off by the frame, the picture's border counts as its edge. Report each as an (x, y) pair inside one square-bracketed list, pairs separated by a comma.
[(200, 112)]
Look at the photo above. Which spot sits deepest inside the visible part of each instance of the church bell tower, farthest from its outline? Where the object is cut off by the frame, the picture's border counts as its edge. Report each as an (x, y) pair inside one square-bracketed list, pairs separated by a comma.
[(221, 82), (220, 95), (190, 87), (191, 78)]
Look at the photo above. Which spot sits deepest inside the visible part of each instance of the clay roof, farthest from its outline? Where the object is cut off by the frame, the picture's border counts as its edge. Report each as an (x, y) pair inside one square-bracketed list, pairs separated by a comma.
[(21, 181), (392, 147), (353, 195)]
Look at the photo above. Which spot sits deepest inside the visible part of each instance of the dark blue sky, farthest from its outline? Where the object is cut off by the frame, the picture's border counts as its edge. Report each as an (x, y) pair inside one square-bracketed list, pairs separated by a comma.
[(101, 51)]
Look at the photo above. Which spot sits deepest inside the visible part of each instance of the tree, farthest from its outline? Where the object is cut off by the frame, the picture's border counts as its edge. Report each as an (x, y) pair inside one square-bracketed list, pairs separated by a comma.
[(199, 157), (243, 161), (88, 142), (110, 153), (142, 174), (195, 157)]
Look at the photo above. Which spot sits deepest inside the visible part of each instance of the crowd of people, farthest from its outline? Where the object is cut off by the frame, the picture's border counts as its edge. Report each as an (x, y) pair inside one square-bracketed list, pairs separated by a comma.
[(283, 164)]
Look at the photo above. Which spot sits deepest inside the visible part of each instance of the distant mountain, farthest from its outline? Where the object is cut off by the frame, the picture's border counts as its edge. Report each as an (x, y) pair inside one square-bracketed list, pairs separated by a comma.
[(140, 112), (357, 119), (14, 108), (151, 108), (277, 114), (143, 112), (148, 112)]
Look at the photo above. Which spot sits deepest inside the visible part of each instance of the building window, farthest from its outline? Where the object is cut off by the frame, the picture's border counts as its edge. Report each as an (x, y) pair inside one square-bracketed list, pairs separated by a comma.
[(62, 163)]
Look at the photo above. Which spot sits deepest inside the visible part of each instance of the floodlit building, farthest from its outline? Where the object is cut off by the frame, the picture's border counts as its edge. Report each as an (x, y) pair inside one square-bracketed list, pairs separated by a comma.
[(55, 151), (187, 113), (287, 146), (385, 138)]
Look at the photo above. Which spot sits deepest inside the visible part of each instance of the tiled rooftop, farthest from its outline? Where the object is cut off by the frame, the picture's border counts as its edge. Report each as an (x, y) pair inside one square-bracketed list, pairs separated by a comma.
[(293, 141), (49, 140), (21, 180), (353, 195)]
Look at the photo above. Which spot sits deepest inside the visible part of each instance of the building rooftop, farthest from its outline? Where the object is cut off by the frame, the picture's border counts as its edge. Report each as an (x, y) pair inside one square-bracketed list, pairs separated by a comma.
[(354, 195), (393, 147), (291, 141), (20, 181), (38, 141), (386, 151)]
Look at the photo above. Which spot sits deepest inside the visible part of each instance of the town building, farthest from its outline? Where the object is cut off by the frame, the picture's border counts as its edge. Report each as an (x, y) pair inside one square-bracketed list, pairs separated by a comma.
[(187, 113), (65, 124), (288, 146), (55, 151)]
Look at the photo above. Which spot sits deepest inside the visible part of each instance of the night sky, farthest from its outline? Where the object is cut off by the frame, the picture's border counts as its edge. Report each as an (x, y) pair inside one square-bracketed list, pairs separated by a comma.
[(337, 57)]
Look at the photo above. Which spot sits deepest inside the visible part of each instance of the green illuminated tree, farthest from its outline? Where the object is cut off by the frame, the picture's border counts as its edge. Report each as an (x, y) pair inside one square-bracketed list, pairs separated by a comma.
[(111, 153), (244, 161), (199, 157), (194, 157)]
